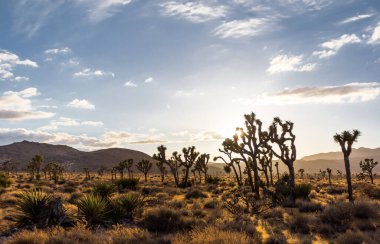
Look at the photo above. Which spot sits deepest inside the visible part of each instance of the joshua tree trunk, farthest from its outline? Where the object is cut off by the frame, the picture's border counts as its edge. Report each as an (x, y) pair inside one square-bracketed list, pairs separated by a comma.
[(146, 178), (291, 182), (271, 173), (348, 177), (278, 173)]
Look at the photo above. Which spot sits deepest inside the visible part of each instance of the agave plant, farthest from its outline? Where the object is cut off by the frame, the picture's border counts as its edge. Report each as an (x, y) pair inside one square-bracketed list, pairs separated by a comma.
[(93, 208), (103, 189), (31, 207)]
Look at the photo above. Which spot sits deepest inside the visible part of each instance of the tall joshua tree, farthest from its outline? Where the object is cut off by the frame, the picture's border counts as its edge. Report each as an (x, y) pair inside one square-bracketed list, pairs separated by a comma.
[(265, 158), (34, 166), (283, 147), (161, 168), (367, 167), (345, 140), (247, 142), (144, 166), (190, 155), (201, 164), (171, 163)]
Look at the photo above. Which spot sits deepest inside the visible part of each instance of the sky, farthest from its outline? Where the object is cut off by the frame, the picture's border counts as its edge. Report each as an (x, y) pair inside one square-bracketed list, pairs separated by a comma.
[(95, 74)]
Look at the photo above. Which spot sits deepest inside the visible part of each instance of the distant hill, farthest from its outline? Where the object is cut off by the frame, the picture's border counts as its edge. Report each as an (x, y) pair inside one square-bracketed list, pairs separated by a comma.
[(25, 150)]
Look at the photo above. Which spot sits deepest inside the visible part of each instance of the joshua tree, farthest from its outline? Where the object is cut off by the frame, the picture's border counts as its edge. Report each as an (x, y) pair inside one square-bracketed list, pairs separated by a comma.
[(161, 168), (283, 140), (329, 174), (190, 155), (230, 164), (101, 171), (113, 173), (367, 167), (247, 143), (34, 166), (120, 167), (301, 172), (345, 140), (265, 158), (173, 164), (144, 166), (278, 172), (87, 172), (201, 164), (270, 167), (339, 173), (8, 165), (128, 165)]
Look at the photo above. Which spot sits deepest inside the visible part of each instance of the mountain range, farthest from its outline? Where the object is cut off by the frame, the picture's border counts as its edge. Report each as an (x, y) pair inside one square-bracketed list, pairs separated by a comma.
[(25, 150)]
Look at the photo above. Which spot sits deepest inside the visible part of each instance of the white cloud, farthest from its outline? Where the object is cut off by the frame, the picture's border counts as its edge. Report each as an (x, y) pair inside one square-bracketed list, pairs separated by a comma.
[(206, 136), (356, 18), (348, 93), (130, 84), (332, 47), (21, 78), (69, 122), (193, 11), (8, 61), (92, 123), (375, 37), (18, 106), (285, 63), (81, 103), (99, 10), (242, 28), (89, 73), (148, 80), (53, 51)]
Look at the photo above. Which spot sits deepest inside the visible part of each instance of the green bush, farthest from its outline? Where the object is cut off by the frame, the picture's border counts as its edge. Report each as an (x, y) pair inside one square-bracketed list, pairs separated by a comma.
[(195, 193), (31, 207), (127, 183), (5, 180), (93, 208), (103, 189), (302, 190), (212, 179)]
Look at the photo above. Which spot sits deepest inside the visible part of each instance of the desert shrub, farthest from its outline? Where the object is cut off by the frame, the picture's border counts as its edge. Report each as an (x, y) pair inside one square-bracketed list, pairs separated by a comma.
[(103, 189), (126, 205), (242, 224), (74, 197), (351, 238), (338, 215), (77, 235), (302, 190), (299, 223), (212, 180), (29, 237), (164, 220), (365, 210), (276, 238), (211, 204), (68, 189), (127, 183), (212, 235), (31, 207), (372, 191), (5, 180), (365, 225), (121, 235), (183, 185), (195, 193), (335, 190), (93, 209), (308, 206), (275, 213)]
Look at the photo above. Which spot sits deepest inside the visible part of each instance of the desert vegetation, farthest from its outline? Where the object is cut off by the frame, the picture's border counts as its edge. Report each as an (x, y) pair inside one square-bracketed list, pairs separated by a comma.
[(174, 198)]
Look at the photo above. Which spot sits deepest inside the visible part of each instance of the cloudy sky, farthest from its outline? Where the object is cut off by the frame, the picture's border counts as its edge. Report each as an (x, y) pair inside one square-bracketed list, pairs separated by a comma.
[(139, 73)]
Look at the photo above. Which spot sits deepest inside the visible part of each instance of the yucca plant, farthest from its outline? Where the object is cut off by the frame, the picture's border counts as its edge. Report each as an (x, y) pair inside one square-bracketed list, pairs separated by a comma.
[(93, 208), (31, 207), (130, 203), (103, 189)]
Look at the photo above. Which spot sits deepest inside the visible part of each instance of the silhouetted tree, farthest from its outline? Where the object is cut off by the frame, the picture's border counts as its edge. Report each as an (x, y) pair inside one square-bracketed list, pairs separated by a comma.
[(345, 140), (161, 168), (367, 167), (230, 163), (278, 172), (190, 155), (283, 139), (264, 158), (301, 172), (87, 172), (144, 166), (173, 164), (329, 174), (201, 164), (101, 171), (34, 166)]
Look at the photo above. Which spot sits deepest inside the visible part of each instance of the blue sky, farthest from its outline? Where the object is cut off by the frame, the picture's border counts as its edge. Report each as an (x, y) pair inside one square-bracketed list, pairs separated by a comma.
[(130, 73)]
